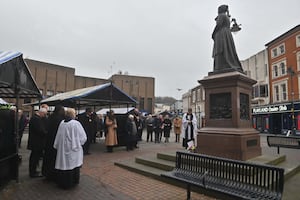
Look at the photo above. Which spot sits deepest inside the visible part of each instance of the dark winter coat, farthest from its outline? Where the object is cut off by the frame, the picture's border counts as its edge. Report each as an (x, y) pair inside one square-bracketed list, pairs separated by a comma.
[(37, 133)]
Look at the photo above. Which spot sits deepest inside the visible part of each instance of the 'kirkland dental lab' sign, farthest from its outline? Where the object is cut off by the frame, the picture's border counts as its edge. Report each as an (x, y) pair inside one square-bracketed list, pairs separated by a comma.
[(270, 109)]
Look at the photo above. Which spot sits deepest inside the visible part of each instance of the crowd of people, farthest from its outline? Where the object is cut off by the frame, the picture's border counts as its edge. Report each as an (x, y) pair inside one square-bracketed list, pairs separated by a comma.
[(61, 139)]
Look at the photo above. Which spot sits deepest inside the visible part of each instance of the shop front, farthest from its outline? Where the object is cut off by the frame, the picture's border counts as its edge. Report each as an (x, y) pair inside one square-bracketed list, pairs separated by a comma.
[(277, 118)]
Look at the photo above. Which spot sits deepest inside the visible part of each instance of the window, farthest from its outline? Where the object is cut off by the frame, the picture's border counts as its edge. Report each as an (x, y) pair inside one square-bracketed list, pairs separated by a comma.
[(276, 89), (260, 91), (194, 96), (277, 51), (280, 91), (298, 40), (275, 71), (263, 89), (282, 68), (298, 61), (281, 49), (274, 52), (279, 69), (199, 94), (255, 91), (142, 103), (283, 90)]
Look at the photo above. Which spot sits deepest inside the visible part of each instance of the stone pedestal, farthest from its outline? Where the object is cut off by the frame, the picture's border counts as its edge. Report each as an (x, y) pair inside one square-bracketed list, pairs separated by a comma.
[(228, 132)]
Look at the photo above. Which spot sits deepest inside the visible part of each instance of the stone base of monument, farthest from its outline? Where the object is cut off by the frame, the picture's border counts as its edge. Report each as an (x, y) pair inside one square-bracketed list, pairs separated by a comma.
[(228, 132), (233, 143)]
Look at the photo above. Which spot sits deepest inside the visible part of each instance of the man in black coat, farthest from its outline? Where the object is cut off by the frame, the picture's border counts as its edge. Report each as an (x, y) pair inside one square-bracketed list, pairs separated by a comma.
[(87, 123), (48, 167), (36, 140)]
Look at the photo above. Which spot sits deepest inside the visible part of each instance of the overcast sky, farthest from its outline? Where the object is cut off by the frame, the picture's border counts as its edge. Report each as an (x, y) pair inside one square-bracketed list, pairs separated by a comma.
[(169, 40)]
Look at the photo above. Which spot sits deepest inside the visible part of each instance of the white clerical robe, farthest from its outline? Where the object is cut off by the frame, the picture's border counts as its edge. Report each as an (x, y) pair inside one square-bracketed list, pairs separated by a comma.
[(186, 126), (68, 141)]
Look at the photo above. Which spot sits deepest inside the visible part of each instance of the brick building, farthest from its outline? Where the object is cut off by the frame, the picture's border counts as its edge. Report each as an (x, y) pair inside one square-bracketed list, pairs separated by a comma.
[(283, 111), (53, 79), (139, 87)]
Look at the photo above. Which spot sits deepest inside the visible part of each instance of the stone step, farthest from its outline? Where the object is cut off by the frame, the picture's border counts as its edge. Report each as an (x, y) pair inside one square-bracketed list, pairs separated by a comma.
[(143, 169), (290, 168), (167, 156), (154, 161), (268, 159)]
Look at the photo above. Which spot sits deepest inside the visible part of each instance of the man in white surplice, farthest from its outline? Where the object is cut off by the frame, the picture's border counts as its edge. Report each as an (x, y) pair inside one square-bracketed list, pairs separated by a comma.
[(189, 128), (68, 142)]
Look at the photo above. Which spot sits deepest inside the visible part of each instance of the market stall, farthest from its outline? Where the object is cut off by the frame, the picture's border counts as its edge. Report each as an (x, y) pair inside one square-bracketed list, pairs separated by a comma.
[(15, 82)]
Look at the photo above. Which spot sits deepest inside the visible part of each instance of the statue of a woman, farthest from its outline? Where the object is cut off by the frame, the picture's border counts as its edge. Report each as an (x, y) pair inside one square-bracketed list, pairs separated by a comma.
[(224, 53)]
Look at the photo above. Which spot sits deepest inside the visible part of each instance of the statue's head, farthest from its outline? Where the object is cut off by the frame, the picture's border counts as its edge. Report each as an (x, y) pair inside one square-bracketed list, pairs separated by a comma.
[(222, 9)]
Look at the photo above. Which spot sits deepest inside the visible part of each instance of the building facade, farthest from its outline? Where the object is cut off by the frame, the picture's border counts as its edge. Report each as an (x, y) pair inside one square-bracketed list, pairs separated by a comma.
[(256, 67), (140, 88), (195, 99), (283, 111), (53, 79)]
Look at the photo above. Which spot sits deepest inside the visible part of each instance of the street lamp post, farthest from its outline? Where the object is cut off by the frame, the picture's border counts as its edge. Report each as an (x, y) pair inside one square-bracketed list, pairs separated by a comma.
[(292, 73)]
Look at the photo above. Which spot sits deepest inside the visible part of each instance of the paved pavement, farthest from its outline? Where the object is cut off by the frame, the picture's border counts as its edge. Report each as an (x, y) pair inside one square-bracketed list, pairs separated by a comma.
[(101, 179)]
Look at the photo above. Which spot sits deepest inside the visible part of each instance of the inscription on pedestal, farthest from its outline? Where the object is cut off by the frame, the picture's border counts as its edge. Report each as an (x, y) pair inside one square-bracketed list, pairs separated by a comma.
[(220, 106)]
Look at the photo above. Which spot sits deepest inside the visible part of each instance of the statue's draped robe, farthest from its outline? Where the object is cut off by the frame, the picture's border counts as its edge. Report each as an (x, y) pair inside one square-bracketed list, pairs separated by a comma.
[(224, 52)]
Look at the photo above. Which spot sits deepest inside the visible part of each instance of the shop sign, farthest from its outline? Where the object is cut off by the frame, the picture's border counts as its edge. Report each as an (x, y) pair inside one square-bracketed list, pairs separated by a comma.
[(270, 109)]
